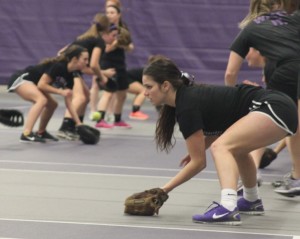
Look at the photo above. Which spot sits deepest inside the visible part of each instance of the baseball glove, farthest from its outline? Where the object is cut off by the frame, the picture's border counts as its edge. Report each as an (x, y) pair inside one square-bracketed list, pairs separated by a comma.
[(146, 203), (12, 118), (268, 157), (88, 134)]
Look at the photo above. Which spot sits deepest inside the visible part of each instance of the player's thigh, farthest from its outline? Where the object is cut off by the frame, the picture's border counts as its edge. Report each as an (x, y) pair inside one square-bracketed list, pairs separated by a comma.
[(255, 130), (30, 92), (78, 87), (136, 88)]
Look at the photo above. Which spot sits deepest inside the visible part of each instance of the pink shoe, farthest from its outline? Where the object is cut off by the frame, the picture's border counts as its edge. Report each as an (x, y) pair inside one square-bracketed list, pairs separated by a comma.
[(104, 124), (138, 115), (122, 124)]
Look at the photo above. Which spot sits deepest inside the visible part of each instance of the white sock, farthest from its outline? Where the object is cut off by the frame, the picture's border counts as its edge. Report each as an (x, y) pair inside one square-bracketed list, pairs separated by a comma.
[(251, 194), (229, 198)]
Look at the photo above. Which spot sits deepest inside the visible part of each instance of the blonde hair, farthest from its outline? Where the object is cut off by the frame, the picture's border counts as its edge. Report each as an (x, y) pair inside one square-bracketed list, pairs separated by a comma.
[(99, 25), (260, 7)]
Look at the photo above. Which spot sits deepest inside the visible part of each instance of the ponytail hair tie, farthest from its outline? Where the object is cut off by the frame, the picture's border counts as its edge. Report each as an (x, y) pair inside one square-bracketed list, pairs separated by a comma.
[(113, 27), (187, 78)]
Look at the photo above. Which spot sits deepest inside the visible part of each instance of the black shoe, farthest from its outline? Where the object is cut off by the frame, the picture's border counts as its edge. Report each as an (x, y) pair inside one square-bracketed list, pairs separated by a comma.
[(32, 138), (47, 136)]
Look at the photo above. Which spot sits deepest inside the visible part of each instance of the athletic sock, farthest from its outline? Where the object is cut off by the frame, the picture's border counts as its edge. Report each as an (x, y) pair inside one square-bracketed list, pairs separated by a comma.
[(117, 118), (251, 194), (135, 108), (67, 124), (102, 115), (26, 132), (229, 198)]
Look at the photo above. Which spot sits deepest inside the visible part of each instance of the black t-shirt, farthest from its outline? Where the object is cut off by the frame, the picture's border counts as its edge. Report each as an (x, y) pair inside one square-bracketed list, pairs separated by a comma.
[(60, 75), (90, 43), (35, 72), (114, 59), (276, 36), (269, 70), (58, 72), (213, 108)]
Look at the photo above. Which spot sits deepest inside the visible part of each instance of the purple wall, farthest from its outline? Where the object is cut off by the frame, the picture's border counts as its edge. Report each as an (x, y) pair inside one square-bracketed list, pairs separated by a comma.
[(196, 34)]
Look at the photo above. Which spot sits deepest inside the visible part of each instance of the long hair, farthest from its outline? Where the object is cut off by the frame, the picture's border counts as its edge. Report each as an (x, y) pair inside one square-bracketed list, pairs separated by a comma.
[(121, 22), (99, 25), (261, 7), (67, 55), (163, 69)]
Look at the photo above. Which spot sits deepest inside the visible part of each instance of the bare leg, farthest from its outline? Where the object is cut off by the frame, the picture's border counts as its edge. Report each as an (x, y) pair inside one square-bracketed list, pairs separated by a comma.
[(256, 155), (47, 113), (30, 92), (137, 89), (280, 146), (80, 97), (235, 145), (104, 101), (111, 105), (94, 95), (120, 99), (294, 149)]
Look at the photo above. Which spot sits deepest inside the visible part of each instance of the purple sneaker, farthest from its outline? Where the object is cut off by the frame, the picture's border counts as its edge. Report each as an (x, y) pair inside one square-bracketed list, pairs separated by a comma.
[(219, 215), (290, 187), (250, 208)]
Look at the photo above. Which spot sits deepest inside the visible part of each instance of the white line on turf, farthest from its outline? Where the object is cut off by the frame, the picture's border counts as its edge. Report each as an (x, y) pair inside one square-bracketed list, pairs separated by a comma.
[(111, 166), (146, 227), (100, 174)]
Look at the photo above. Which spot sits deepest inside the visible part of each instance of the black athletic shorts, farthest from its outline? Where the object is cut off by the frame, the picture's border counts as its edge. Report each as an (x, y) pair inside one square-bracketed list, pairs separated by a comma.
[(290, 90), (121, 80), (280, 108), (135, 74)]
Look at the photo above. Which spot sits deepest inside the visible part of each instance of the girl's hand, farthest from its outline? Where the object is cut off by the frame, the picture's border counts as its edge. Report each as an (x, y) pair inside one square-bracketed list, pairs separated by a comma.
[(110, 72), (248, 82), (66, 93)]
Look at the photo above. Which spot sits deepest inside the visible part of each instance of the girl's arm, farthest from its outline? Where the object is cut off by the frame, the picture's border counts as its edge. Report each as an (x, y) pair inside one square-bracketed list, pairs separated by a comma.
[(95, 66), (44, 85), (197, 161), (62, 49), (234, 65), (70, 107)]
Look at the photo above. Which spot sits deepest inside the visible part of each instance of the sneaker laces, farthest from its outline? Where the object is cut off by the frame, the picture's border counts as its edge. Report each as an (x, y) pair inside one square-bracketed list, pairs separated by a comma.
[(210, 208)]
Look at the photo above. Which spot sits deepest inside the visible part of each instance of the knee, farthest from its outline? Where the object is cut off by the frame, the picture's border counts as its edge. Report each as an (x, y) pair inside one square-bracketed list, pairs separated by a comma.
[(217, 148), (52, 104), (43, 101), (221, 148), (82, 99)]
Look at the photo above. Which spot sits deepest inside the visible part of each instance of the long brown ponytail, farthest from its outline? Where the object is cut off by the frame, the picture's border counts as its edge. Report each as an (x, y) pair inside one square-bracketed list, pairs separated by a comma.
[(163, 69)]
